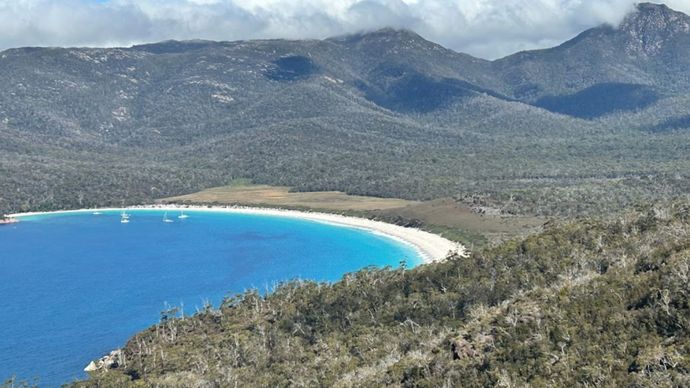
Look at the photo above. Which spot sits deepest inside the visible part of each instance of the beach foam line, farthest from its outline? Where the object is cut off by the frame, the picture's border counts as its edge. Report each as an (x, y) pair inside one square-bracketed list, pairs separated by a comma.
[(430, 247)]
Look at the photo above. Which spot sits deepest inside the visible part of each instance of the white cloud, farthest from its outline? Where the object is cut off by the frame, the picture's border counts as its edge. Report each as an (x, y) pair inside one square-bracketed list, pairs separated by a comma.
[(486, 28)]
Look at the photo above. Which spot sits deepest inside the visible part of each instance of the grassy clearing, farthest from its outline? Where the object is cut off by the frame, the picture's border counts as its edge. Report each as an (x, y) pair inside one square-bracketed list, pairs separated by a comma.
[(278, 196)]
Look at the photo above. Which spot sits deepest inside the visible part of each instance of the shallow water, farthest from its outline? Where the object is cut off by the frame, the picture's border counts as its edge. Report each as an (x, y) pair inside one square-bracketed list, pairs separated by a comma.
[(75, 286)]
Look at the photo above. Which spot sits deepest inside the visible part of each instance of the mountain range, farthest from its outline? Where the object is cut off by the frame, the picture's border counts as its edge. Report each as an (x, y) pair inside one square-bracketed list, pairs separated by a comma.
[(383, 113)]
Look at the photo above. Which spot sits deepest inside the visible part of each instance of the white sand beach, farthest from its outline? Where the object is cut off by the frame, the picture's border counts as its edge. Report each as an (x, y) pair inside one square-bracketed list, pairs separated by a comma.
[(431, 247)]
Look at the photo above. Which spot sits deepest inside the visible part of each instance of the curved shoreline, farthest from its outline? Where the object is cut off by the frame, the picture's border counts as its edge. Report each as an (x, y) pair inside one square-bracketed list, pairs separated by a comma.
[(430, 247)]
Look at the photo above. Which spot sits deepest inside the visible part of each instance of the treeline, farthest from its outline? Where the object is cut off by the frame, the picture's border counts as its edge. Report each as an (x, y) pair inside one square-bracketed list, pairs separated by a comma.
[(587, 303), (552, 177)]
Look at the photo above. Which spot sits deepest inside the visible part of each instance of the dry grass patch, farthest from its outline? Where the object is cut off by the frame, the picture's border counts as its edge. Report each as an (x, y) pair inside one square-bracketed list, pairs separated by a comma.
[(277, 196)]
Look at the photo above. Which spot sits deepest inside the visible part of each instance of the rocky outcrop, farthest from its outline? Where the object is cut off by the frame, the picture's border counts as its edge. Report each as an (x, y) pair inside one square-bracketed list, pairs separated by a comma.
[(652, 26), (5, 220), (113, 360)]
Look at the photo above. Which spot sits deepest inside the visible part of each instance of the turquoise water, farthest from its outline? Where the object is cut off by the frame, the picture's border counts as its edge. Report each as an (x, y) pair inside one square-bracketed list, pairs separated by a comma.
[(76, 286)]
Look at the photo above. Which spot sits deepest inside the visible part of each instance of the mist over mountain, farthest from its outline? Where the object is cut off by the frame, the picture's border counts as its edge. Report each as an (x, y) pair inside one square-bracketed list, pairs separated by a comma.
[(375, 113)]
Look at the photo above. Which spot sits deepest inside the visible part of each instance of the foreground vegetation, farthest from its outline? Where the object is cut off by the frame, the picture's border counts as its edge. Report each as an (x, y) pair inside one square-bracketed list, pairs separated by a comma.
[(587, 303)]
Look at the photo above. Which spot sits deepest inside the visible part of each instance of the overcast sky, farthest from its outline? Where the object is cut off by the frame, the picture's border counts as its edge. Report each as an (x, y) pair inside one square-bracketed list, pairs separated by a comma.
[(484, 28)]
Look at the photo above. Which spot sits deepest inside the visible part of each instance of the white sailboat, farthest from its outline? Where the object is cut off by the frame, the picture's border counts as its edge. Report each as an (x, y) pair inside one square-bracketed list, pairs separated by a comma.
[(124, 217), (166, 219), (182, 216)]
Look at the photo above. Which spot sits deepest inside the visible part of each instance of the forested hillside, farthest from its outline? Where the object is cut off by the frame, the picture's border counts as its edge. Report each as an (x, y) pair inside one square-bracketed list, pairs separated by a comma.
[(591, 126), (586, 303), (594, 132)]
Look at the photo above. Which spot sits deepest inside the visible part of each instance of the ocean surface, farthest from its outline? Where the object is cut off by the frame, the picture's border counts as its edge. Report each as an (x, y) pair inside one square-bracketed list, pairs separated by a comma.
[(76, 286)]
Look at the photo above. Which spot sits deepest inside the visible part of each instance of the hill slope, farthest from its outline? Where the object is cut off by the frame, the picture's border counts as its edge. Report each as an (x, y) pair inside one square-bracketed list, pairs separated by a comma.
[(585, 303), (385, 113)]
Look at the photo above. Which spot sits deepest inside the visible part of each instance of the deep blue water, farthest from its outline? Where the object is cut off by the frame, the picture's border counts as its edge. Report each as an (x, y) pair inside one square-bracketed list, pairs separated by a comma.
[(76, 286)]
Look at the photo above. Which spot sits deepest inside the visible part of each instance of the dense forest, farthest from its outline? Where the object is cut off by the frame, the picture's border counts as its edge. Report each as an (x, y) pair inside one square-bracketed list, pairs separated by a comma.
[(587, 303)]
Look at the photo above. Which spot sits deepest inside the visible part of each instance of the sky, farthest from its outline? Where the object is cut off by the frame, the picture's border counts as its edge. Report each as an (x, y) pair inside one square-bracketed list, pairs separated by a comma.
[(485, 28)]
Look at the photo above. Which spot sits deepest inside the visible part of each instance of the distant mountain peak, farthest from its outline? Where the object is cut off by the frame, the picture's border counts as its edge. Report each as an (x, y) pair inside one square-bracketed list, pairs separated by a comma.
[(174, 46), (653, 7), (383, 34), (651, 26), (658, 16), (397, 32)]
